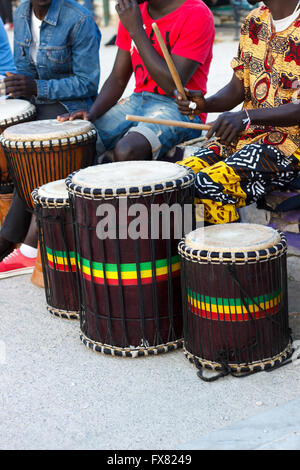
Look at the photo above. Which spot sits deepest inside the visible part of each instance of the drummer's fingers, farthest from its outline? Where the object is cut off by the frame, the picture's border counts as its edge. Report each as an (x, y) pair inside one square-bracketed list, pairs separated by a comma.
[(225, 133), (63, 117), (11, 82), (231, 137), (178, 95), (78, 115), (212, 130), (13, 89)]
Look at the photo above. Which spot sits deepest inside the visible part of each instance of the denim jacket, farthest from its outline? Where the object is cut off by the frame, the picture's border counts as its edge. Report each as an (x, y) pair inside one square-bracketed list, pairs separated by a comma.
[(6, 58), (67, 68)]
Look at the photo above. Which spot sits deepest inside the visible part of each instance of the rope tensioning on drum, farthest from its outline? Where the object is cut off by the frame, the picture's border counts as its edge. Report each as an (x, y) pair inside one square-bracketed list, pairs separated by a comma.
[(224, 366), (133, 352), (63, 313), (239, 370)]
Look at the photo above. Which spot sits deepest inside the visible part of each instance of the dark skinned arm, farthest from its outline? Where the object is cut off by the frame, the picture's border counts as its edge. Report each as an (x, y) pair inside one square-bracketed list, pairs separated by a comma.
[(229, 125), (227, 98), (130, 16), (114, 86)]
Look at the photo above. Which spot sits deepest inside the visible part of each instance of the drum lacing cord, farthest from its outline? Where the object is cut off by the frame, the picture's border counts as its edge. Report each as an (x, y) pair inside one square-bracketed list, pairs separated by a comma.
[(223, 373), (268, 317), (223, 355)]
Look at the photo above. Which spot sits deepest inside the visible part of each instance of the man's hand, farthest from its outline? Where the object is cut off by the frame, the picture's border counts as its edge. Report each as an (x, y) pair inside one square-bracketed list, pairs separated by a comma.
[(17, 85), (76, 115), (194, 97), (228, 126), (130, 16)]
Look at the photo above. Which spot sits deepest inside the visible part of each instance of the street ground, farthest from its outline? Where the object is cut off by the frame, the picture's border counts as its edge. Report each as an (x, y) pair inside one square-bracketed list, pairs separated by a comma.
[(57, 394)]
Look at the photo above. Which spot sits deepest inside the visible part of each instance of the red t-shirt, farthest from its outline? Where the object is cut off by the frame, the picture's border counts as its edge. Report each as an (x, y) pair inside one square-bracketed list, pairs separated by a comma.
[(188, 32)]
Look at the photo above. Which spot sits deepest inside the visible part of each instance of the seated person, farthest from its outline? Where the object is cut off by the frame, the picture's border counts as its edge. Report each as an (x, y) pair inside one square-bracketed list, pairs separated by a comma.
[(256, 149), (188, 30), (6, 59), (57, 26)]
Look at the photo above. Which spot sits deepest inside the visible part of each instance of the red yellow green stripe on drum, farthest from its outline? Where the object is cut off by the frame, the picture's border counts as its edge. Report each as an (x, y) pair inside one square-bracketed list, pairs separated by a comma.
[(110, 274), (234, 309)]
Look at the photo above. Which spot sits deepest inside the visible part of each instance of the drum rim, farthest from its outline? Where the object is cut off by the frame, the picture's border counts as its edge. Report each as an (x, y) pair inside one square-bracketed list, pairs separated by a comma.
[(19, 117), (217, 257), (44, 201), (135, 352), (40, 144), (131, 191), (240, 368)]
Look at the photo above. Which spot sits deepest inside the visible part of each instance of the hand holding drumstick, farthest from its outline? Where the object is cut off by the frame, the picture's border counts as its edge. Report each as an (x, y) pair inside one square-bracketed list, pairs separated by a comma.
[(173, 71)]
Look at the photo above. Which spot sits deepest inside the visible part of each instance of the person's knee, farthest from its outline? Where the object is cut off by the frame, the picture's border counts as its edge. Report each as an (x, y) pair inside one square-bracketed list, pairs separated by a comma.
[(133, 146), (124, 151)]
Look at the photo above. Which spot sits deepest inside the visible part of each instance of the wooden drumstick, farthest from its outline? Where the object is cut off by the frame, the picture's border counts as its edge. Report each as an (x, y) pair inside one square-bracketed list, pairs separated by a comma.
[(170, 63), (168, 122)]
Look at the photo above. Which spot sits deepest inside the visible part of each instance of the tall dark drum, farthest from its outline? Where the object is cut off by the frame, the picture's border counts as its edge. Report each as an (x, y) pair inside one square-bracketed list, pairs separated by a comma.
[(56, 240), (234, 283), (128, 219)]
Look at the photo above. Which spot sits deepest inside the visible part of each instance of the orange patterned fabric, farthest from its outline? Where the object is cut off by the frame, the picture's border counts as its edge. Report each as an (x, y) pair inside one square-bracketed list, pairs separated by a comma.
[(268, 63)]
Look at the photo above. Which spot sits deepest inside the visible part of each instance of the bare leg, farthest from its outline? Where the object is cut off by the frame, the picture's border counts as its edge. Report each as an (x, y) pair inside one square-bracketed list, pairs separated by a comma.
[(133, 146), (31, 238)]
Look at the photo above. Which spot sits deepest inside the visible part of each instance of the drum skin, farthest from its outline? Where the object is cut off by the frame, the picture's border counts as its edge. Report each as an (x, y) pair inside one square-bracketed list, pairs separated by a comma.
[(147, 313), (32, 168), (235, 314), (57, 254)]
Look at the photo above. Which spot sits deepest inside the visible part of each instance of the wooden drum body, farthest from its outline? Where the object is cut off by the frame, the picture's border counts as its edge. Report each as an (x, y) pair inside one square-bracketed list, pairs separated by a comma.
[(43, 151), (131, 296), (57, 249), (234, 282)]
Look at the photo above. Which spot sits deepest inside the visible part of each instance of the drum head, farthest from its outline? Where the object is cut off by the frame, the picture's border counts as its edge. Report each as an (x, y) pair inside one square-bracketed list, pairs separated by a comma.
[(49, 130), (14, 110), (232, 238), (54, 190), (139, 175)]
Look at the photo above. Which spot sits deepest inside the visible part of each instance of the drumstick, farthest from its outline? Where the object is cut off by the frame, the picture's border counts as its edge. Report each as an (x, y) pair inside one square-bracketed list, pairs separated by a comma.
[(169, 122), (170, 63)]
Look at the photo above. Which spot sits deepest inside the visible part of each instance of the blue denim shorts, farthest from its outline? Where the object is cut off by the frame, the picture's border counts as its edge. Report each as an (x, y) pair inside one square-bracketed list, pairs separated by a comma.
[(112, 126)]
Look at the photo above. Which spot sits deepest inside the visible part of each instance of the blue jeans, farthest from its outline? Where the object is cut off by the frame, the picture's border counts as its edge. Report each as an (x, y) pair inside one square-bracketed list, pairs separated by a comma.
[(112, 126)]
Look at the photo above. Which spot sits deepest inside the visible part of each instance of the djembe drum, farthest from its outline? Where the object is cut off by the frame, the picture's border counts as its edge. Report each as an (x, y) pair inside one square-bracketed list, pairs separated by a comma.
[(43, 151), (234, 287), (11, 112), (130, 282), (56, 243)]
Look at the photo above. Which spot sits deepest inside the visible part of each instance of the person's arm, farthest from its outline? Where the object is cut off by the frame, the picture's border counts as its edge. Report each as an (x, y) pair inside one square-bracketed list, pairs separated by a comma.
[(131, 18), (114, 86), (82, 83), (6, 58), (111, 91), (226, 99)]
